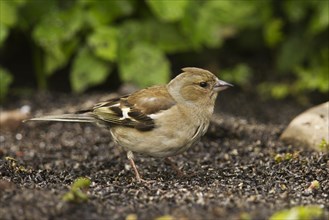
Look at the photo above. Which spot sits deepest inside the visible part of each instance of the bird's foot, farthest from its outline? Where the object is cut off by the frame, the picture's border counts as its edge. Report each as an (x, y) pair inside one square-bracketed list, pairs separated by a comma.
[(138, 176), (174, 167)]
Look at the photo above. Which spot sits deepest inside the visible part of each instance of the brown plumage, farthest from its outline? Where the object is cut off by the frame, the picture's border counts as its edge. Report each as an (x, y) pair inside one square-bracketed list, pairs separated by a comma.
[(160, 121)]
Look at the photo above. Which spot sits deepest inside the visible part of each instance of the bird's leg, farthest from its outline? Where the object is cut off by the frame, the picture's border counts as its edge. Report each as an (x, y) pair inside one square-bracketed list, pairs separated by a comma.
[(130, 156), (174, 167)]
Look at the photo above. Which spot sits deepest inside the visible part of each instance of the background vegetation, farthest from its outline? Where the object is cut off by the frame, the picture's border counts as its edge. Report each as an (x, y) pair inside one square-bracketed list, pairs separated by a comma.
[(280, 46)]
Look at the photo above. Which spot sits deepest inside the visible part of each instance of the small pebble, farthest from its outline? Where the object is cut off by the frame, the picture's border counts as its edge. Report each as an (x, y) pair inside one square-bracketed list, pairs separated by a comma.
[(18, 136)]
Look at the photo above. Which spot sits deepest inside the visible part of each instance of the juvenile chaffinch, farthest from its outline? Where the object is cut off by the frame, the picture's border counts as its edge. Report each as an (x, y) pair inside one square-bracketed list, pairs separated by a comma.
[(159, 121)]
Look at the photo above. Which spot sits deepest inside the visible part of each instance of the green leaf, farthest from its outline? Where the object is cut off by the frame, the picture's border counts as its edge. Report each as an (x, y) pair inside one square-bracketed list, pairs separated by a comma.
[(81, 196), (274, 90), (18, 3), (144, 65), (53, 59), (299, 212), (291, 54), (240, 74), (227, 12), (315, 75), (320, 19), (59, 55), (76, 194), (8, 13), (4, 31), (279, 91), (100, 13), (5, 80), (211, 22), (166, 37), (206, 29), (165, 217), (81, 182), (170, 10), (55, 34), (323, 146), (87, 71), (104, 43), (295, 10), (273, 32), (69, 197), (33, 12), (57, 27)]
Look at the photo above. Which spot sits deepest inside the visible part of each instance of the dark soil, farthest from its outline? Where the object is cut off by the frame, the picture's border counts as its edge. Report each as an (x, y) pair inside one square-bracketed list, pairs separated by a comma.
[(235, 173)]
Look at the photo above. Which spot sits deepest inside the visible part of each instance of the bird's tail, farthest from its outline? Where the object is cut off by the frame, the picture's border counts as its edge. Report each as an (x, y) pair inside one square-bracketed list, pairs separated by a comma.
[(65, 118)]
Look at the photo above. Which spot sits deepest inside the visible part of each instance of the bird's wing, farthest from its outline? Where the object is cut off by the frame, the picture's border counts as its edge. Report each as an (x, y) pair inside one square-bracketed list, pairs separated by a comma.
[(135, 110)]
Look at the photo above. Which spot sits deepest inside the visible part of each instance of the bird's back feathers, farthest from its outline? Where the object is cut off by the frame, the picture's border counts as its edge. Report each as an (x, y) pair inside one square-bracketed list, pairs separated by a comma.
[(135, 110), (130, 111)]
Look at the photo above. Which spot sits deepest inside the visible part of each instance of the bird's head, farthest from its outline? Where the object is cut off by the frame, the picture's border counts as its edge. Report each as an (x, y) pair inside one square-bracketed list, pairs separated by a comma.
[(196, 85)]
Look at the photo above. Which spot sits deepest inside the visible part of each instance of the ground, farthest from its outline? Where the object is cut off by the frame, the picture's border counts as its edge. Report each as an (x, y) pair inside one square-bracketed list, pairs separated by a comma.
[(233, 173)]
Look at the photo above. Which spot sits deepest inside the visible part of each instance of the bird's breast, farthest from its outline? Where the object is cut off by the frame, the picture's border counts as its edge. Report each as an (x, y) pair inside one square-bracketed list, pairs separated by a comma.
[(171, 136)]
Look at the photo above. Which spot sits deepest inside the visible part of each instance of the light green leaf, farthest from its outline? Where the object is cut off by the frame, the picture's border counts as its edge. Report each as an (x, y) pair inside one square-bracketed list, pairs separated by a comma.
[(273, 32), (169, 10), (240, 74), (4, 31), (227, 12), (275, 90), (166, 37), (57, 27), (295, 10), (58, 56), (279, 91), (87, 71), (144, 65), (104, 43), (291, 54), (5, 80), (18, 2), (76, 194), (298, 212), (100, 13), (165, 217), (8, 13), (315, 75), (54, 58), (320, 19), (81, 182), (54, 34), (210, 22), (189, 25), (35, 11)]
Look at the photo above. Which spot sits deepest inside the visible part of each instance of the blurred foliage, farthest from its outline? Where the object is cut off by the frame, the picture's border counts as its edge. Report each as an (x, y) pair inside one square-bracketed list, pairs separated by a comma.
[(324, 145), (5, 80), (240, 74), (299, 212), (76, 193), (95, 38)]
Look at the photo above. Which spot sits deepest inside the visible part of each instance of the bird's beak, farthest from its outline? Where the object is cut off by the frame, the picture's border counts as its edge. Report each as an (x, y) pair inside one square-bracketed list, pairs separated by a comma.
[(222, 85)]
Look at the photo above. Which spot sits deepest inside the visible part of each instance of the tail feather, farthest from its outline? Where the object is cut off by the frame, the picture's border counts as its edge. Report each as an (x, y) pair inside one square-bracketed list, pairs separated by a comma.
[(65, 118)]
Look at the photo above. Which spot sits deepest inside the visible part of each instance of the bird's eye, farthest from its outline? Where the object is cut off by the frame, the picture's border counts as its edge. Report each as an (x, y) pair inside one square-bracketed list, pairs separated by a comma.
[(203, 84)]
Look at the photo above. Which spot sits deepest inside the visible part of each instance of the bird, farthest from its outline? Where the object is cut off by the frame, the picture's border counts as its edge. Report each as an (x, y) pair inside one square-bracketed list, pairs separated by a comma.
[(159, 121)]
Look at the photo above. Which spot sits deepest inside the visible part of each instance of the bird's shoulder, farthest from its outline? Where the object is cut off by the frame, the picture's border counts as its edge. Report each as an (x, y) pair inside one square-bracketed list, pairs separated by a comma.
[(133, 110), (152, 100)]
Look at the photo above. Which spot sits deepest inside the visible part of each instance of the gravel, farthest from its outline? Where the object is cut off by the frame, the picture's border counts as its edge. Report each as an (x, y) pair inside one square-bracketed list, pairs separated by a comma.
[(233, 173)]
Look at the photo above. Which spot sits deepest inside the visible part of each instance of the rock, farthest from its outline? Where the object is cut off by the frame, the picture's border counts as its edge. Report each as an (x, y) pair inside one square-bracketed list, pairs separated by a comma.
[(311, 128), (10, 120)]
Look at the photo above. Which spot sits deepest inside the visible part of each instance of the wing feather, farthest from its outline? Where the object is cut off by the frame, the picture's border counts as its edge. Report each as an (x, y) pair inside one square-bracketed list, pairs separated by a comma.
[(134, 110)]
